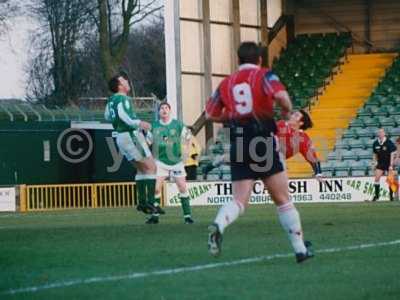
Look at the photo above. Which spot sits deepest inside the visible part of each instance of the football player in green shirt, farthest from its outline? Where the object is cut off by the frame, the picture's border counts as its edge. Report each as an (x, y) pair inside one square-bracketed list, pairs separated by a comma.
[(168, 137), (132, 143)]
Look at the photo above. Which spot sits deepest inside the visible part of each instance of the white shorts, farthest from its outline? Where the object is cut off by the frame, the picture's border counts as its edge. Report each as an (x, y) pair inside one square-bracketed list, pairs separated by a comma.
[(175, 171), (133, 145)]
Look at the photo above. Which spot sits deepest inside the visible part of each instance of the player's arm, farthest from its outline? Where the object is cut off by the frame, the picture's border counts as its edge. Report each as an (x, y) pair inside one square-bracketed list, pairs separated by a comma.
[(374, 156), (308, 151), (149, 137), (396, 162), (392, 155), (374, 160), (133, 123), (215, 109), (272, 85), (186, 137), (282, 98), (107, 114)]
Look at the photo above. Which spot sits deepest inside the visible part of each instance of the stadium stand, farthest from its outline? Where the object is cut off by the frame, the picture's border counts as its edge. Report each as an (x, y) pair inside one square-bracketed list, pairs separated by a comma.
[(382, 109), (338, 106), (307, 64)]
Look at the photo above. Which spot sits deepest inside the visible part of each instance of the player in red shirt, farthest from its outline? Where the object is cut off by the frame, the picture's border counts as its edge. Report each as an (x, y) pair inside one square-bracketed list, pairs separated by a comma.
[(244, 101), (293, 139)]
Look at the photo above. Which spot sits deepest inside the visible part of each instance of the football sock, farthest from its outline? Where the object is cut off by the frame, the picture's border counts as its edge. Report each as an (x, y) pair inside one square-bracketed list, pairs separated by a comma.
[(377, 188), (150, 183), (290, 221), (227, 214), (157, 200), (185, 203), (140, 189)]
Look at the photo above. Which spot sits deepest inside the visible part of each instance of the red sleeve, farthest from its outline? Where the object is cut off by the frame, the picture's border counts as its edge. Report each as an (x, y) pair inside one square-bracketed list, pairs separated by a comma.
[(307, 149), (215, 107), (272, 84)]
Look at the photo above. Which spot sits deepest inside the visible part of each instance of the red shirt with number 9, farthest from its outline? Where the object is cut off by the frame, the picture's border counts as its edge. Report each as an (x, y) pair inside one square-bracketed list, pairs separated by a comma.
[(246, 94)]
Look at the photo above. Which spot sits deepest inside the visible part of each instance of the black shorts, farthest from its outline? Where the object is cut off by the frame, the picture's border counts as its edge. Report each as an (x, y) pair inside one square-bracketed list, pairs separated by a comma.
[(254, 151), (191, 172), (383, 166)]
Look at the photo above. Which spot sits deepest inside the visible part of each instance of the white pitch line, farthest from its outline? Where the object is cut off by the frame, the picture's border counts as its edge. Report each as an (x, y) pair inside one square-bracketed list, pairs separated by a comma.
[(7, 215), (77, 213), (73, 282)]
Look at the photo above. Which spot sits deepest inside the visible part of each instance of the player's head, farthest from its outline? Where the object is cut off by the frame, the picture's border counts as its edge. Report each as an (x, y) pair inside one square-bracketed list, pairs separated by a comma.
[(119, 84), (164, 110), (381, 133), (249, 53), (300, 119)]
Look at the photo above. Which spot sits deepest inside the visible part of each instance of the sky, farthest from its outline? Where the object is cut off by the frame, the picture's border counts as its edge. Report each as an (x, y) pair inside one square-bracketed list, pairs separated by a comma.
[(14, 48)]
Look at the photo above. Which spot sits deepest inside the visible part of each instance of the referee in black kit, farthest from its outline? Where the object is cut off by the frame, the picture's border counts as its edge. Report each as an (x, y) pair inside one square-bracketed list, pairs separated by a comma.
[(383, 158)]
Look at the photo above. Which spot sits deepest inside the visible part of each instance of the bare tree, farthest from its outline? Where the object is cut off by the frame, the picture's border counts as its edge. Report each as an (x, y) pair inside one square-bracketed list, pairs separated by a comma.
[(81, 43), (8, 10), (55, 70), (40, 84), (146, 59), (116, 18)]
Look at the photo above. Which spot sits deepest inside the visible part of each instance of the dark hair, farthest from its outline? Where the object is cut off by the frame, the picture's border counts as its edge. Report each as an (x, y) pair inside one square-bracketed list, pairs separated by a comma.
[(164, 103), (307, 122), (124, 74), (248, 53), (113, 83)]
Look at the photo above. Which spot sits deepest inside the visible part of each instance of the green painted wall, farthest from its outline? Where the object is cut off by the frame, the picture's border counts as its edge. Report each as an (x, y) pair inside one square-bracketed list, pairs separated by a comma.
[(22, 156)]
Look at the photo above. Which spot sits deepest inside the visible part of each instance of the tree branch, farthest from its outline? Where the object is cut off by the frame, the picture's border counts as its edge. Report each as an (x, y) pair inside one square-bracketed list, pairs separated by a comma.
[(104, 38), (109, 20), (145, 15)]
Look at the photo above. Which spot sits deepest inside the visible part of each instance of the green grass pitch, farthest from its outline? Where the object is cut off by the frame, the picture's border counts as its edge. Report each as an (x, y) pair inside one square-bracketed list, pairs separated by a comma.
[(75, 254)]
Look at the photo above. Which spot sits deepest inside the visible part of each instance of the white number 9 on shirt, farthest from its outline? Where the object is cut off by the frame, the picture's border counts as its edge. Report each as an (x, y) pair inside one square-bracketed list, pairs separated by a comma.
[(243, 98)]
